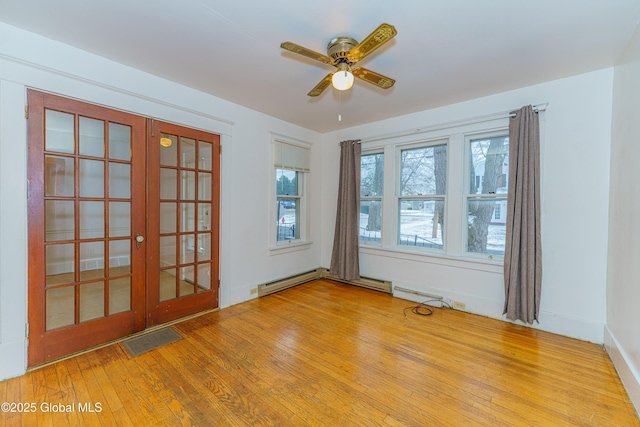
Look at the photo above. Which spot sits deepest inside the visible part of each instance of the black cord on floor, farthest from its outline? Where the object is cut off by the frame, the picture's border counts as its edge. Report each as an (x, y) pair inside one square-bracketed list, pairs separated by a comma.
[(422, 309)]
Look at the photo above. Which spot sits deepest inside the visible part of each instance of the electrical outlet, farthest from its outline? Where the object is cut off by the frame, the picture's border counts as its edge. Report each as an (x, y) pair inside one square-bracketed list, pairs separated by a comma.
[(253, 291), (459, 305)]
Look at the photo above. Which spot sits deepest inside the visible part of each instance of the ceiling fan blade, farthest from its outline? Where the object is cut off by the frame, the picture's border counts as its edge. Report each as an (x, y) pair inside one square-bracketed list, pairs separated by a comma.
[(373, 77), (377, 38), (292, 47), (320, 87)]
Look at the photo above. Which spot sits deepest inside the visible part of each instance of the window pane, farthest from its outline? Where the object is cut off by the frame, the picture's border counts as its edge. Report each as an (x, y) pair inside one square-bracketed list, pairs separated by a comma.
[(288, 214), (91, 178), (119, 180), (371, 175), (205, 150), (58, 176), (168, 150), (370, 220), (489, 165), (59, 134), (286, 182), (119, 141), (423, 171), (421, 222), (486, 225), (91, 137)]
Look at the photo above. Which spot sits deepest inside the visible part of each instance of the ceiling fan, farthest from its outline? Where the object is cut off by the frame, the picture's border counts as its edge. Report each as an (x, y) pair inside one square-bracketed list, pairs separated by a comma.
[(343, 53)]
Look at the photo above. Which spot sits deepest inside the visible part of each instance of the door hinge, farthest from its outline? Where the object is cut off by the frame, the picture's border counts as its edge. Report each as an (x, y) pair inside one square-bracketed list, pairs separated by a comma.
[(26, 330), (153, 127), (220, 149), (26, 111), (218, 282)]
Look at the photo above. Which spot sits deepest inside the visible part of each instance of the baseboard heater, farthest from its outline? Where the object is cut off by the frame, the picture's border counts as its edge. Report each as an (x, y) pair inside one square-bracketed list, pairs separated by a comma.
[(321, 273)]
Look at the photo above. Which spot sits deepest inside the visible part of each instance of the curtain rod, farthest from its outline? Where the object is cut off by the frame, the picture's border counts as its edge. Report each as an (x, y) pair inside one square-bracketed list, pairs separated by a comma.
[(456, 123)]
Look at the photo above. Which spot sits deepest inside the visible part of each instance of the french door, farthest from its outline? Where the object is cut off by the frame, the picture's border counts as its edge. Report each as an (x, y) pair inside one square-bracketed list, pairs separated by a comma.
[(98, 266)]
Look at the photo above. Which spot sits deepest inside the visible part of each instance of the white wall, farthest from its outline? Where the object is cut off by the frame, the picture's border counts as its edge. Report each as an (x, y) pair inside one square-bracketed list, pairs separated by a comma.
[(622, 335), (575, 143), (30, 61)]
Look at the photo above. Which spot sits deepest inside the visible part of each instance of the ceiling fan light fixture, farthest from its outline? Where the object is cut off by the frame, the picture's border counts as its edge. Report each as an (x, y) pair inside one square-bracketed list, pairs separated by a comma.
[(343, 78)]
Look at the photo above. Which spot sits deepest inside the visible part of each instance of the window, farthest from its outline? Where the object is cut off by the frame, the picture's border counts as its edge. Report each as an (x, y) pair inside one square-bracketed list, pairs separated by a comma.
[(291, 162), (371, 185), (288, 204), (421, 201), (486, 200)]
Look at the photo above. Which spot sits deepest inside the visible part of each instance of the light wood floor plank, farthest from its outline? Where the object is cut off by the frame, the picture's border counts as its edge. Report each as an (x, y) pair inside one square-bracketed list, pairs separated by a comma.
[(329, 354)]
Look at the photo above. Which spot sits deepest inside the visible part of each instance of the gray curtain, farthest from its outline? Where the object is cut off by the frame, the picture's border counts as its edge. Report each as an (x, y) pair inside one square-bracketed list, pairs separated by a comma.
[(523, 249), (344, 258)]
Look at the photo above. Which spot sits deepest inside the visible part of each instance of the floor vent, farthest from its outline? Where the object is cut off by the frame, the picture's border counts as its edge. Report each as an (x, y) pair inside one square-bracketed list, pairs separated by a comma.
[(321, 273)]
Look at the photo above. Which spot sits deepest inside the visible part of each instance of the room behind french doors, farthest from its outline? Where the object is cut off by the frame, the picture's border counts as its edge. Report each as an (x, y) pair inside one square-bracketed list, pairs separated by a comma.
[(122, 235)]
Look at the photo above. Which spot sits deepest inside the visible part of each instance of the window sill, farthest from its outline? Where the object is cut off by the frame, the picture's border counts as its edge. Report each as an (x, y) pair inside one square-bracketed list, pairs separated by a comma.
[(474, 263), (290, 246)]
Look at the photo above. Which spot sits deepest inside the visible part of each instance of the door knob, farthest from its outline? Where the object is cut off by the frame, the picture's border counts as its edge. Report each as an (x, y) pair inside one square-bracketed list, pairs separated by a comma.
[(139, 239)]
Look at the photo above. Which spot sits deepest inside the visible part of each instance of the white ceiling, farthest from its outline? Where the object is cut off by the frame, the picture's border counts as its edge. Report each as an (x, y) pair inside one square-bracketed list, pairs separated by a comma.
[(446, 51)]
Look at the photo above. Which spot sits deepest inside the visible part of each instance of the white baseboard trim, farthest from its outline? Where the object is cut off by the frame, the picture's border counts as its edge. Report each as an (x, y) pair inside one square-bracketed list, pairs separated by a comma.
[(582, 329), (626, 371)]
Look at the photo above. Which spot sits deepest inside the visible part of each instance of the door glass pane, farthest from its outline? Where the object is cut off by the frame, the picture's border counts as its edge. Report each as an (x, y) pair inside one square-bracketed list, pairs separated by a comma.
[(59, 223), (187, 281), (204, 186), (167, 284), (168, 217), (119, 219), (119, 180), (204, 276), (91, 137), (204, 217), (205, 155), (91, 260), (187, 254), (119, 141), (91, 220), (91, 301), (167, 251), (168, 150), (119, 295), (60, 307), (188, 185), (58, 176), (91, 178), (204, 247), (188, 153), (59, 132), (60, 264), (119, 257), (168, 183), (187, 216)]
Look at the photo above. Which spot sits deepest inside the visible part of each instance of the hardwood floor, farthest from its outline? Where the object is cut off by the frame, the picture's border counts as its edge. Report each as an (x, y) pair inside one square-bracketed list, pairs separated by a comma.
[(328, 354)]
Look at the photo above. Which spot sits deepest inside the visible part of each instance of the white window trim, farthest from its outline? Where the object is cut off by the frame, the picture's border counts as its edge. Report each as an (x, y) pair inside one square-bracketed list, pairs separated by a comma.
[(276, 247)]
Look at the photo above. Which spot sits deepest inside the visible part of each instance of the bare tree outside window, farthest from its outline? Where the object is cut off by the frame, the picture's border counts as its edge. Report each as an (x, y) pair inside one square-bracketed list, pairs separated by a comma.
[(488, 179), (422, 189), (371, 188)]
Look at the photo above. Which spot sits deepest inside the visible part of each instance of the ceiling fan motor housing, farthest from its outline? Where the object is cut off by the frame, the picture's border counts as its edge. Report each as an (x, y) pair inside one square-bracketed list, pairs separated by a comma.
[(339, 47)]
